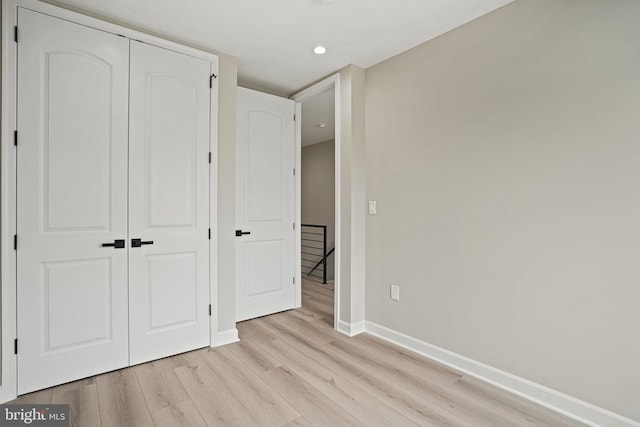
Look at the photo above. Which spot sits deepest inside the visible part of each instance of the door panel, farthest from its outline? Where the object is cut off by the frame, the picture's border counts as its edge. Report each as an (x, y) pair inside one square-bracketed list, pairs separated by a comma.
[(77, 194), (168, 203), (61, 310), (266, 259), (71, 197), (172, 172), (173, 306), (264, 167), (264, 205)]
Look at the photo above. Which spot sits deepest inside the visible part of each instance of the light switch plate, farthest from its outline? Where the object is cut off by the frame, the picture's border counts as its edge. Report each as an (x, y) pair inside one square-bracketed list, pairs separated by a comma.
[(395, 292), (372, 207)]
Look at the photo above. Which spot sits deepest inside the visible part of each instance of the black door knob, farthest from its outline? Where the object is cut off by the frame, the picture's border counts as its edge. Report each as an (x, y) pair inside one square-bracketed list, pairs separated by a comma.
[(136, 243), (117, 244)]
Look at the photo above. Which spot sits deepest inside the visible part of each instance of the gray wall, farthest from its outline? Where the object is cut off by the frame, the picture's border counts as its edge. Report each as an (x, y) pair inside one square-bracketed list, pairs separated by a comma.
[(505, 160), (318, 191)]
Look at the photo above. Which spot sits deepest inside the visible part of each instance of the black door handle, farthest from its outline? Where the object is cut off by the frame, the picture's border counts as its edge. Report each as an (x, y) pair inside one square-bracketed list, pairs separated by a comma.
[(240, 233), (136, 243), (117, 244)]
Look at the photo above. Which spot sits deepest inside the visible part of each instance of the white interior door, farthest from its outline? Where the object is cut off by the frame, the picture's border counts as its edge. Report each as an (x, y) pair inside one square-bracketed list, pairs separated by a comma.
[(168, 203), (71, 198), (265, 153)]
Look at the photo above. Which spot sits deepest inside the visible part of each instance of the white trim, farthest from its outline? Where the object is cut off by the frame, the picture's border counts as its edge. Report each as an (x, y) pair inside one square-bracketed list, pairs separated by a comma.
[(316, 88), (8, 391), (351, 329), (225, 337), (213, 204), (8, 379), (559, 402), (297, 164), (321, 86)]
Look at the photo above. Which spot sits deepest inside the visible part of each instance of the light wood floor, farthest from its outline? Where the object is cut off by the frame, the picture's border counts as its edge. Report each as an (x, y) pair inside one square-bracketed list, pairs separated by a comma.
[(293, 369)]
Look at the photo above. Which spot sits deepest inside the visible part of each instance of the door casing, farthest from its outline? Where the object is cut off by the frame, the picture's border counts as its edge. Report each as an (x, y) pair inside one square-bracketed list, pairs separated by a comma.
[(332, 81)]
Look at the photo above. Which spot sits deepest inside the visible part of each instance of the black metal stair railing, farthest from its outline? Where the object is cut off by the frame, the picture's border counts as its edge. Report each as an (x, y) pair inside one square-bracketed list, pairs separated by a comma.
[(314, 251)]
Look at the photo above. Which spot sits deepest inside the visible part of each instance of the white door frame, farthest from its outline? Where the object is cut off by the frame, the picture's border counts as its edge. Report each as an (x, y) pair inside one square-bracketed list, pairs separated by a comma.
[(321, 86), (8, 374)]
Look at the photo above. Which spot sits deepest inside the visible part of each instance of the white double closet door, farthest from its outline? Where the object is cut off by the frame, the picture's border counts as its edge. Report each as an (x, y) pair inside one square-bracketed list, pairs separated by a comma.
[(113, 147)]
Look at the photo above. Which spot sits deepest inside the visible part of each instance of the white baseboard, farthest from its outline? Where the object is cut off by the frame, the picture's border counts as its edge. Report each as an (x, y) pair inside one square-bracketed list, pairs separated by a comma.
[(225, 337), (350, 329), (562, 403)]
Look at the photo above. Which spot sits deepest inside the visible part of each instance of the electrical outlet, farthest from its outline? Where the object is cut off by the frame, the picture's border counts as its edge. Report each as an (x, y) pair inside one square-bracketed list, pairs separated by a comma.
[(395, 292)]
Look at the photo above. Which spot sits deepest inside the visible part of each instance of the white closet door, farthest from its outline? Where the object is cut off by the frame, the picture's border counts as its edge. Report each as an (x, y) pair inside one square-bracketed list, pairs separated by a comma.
[(265, 151), (71, 198), (168, 203)]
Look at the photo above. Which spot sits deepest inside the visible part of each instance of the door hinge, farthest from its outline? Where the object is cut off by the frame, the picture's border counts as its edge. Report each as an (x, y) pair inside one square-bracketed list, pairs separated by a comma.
[(15, 242), (209, 309), (294, 171), (209, 157), (209, 234), (15, 33), (294, 117), (294, 225), (15, 138), (294, 280), (15, 346)]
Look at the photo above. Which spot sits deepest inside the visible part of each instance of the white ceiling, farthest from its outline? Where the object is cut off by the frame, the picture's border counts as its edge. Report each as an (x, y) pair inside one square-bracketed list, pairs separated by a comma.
[(273, 39), (318, 109)]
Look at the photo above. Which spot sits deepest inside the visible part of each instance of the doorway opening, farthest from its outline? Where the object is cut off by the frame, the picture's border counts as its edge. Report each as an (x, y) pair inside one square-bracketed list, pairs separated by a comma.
[(318, 151)]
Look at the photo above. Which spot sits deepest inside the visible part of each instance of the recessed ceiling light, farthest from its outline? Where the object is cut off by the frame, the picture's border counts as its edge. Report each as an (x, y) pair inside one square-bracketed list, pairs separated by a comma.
[(319, 50), (321, 125)]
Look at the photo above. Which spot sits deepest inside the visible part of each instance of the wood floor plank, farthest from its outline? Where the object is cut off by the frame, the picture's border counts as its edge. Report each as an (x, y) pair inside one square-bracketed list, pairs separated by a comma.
[(385, 357), (182, 414), (215, 402), (318, 333), (299, 422), (358, 402), (324, 310), (313, 285), (319, 296), (389, 390), (253, 356), (160, 384), (84, 408), (36, 398), (493, 404), (185, 359), (305, 314), (253, 332), (312, 404), (433, 390), (258, 398), (74, 385), (512, 407), (121, 400)]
